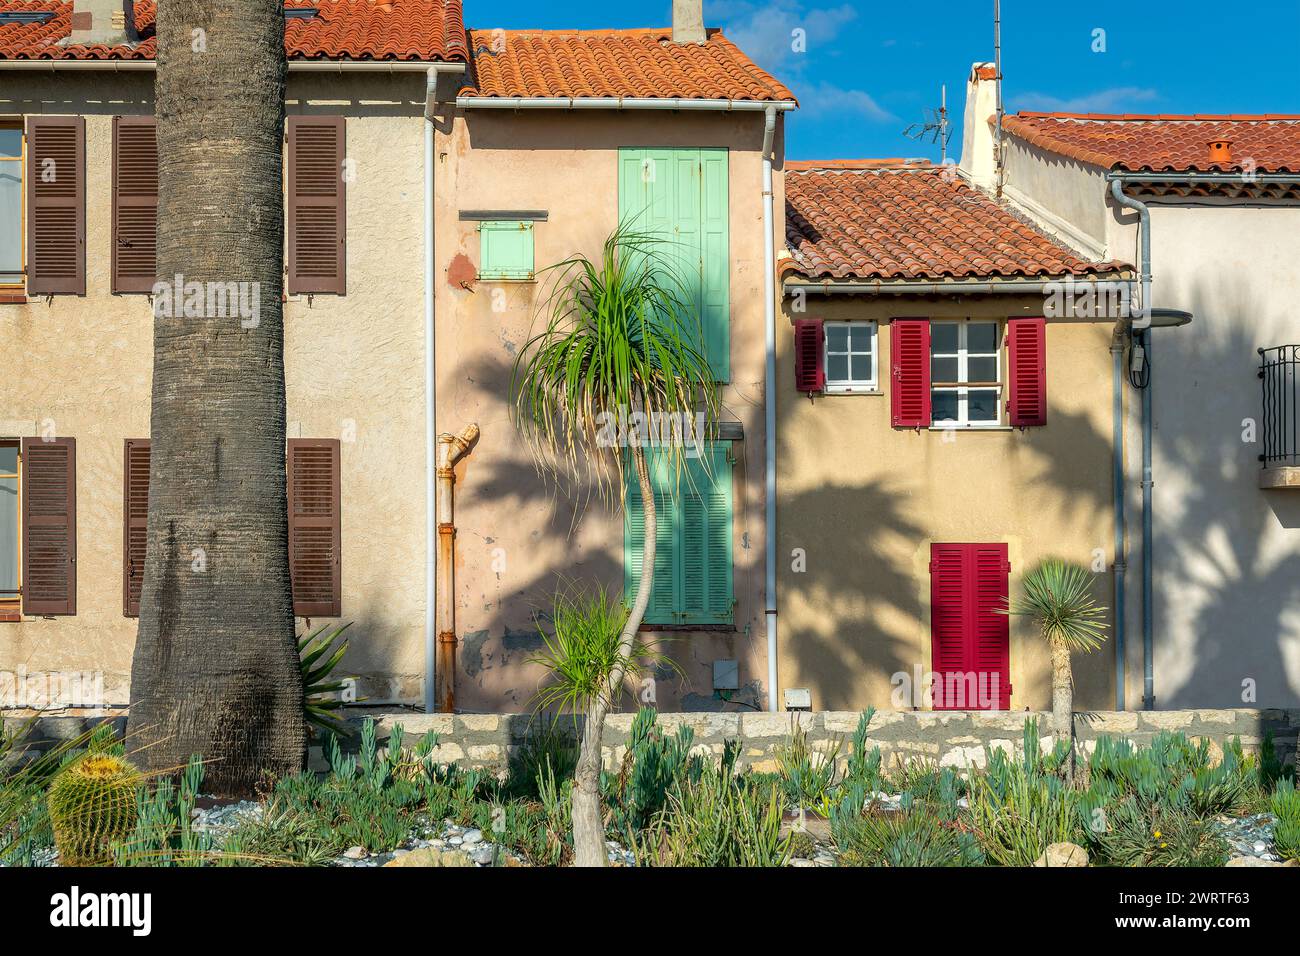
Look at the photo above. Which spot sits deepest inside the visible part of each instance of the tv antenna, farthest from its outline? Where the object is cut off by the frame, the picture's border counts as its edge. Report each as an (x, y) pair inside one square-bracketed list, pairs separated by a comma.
[(935, 128)]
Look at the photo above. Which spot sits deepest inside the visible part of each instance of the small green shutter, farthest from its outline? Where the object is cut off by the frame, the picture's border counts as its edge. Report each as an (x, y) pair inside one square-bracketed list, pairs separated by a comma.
[(506, 250), (693, 573), (681, 196)]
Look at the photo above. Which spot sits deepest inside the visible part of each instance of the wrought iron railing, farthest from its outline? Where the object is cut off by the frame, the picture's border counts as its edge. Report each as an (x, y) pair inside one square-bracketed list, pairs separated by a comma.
[(1279, 370)]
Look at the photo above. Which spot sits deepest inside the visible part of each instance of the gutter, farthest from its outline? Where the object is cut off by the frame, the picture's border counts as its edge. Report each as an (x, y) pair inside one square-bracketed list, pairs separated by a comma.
[(1120, 566), (769, 407), (619, 103), (295, 66), (1209, 178), (923, 287)]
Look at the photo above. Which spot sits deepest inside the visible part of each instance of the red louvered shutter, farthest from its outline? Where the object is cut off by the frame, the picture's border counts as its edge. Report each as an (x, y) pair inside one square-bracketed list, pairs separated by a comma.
[(49, 526), (969, 640), (135, 514), (1027, 357), (316, 227), (909, 396), (809, 337), (315, 527), (56, 205), (135, 203)]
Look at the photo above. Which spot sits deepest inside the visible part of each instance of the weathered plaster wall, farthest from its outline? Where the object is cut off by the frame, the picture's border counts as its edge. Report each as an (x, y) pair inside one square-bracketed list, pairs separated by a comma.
[(353, 371), (518, 537), (1227, 554), (864, 501)]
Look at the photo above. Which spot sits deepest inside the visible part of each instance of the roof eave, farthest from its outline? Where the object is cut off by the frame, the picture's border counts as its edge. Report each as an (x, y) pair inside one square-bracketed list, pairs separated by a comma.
[(621, 103)]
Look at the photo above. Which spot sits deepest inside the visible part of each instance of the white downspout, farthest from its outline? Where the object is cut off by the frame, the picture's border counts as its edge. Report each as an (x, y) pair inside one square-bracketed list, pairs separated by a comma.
[(769, 406), (430, 421)]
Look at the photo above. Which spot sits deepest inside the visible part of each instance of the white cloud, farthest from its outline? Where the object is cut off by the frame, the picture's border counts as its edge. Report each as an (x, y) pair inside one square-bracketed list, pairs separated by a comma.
[(765, 31), (1114, 100), (820, 99)]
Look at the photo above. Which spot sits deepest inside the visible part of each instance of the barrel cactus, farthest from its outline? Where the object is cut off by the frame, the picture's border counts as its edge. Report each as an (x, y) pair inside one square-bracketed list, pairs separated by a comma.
[(92, 805)]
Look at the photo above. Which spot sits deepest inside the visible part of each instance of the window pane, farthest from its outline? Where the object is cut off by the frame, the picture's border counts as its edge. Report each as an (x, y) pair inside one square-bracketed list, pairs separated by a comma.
[(11, 142), (862, 337), (837, 367), (982, 368), (862, 368), (11, 223), (8, 459), (837, 338), (943, 337), (982, 405), (981, 336), (943, 406), (943, 369), (8, 536)]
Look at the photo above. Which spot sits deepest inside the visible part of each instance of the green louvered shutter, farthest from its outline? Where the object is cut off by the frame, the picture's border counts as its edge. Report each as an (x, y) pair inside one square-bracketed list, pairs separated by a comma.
[(681, 195), (693, 573)]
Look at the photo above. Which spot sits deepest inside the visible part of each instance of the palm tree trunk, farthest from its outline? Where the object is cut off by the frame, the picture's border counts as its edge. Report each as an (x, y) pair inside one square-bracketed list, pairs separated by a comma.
[(588, 820), (1063, 700), (216, 670)]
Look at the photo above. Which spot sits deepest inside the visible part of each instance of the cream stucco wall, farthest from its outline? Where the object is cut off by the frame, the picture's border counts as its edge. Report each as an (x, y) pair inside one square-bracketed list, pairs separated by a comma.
[(518, 537), (353, 369), (861, 502)]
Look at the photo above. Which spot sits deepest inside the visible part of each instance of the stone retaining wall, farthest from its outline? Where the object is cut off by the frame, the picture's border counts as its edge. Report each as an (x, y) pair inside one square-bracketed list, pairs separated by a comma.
[(954, 739)]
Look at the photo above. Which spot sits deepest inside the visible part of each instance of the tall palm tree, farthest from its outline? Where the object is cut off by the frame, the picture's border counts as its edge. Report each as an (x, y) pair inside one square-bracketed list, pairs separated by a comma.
[(1058, 599), (216, 666), (620, 338)]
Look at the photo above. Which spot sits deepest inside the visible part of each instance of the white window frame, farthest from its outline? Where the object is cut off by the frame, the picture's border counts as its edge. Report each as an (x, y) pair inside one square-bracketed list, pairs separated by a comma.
[(851, 386), (963, 390)]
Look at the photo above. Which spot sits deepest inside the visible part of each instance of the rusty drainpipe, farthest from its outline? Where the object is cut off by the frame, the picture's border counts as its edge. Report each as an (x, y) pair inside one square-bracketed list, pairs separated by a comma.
[(450, 449)]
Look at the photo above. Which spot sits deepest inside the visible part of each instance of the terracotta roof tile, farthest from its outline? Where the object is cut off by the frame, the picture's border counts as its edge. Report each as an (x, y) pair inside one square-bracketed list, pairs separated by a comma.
[(614, 63), (1160, 143), (911, 221), (342, 30)]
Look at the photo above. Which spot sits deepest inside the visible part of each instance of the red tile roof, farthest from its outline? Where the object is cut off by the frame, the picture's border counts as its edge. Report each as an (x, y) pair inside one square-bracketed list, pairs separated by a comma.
[(911, 221), (417, 30), (614, 63), (1160, 143)]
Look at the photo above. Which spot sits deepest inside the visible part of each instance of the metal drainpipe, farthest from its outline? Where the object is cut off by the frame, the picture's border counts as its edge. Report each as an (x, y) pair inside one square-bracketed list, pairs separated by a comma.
[(1120, 565), (1143, 333), (450, 449), (769, 409)]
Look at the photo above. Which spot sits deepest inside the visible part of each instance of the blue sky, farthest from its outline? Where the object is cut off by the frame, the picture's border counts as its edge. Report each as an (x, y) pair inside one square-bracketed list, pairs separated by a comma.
[(871, 69)]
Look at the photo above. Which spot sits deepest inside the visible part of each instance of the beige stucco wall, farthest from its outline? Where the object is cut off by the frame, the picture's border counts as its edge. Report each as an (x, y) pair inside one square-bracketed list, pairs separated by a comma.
[(862, 502), (354, 370), (518, 538)]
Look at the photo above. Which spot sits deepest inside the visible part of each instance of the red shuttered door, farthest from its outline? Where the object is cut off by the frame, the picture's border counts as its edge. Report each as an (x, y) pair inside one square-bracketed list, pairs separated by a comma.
[(969, 639), (909, 354), (1027, 358), (809, 338)]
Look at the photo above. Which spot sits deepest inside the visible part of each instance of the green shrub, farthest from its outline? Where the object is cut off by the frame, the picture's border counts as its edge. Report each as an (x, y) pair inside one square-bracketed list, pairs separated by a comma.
[(720, 819), (92, 805), (1153, 834), (163, 833), (808, 775), (654, 767), (920, 837), (1173, 772), (551, 746), (1019, 807), (1286, 807), (864, 765)]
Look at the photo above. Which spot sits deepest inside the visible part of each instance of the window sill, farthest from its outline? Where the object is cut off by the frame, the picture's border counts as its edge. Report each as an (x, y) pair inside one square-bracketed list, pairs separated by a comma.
[(522, 280), (679, 628), (863, 390), (12, 297), (10, 616), (972, 428)]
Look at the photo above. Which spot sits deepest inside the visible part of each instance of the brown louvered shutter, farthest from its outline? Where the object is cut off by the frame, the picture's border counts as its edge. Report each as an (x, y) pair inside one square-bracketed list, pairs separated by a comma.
[(135, 515), (135, 203), (315, 527), (49, 526), (316, 227), (56, 205)]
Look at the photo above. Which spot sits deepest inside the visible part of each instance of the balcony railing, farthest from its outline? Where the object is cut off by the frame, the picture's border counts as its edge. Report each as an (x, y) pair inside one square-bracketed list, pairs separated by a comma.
[(1279, 370)]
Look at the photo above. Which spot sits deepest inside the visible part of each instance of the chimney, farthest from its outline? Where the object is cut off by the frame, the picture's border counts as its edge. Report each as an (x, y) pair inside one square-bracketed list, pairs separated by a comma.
[(1220, 152), (688, 21), (102, 21), (977, 159)]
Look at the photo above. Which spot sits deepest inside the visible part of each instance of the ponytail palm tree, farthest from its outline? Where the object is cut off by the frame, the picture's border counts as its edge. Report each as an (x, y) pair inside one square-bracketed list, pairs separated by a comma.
[(1058, 598), (620, 344)]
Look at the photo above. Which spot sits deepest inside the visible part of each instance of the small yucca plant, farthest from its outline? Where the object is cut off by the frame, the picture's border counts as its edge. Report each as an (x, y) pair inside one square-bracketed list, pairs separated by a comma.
[(319, 654), (1058, 598)]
